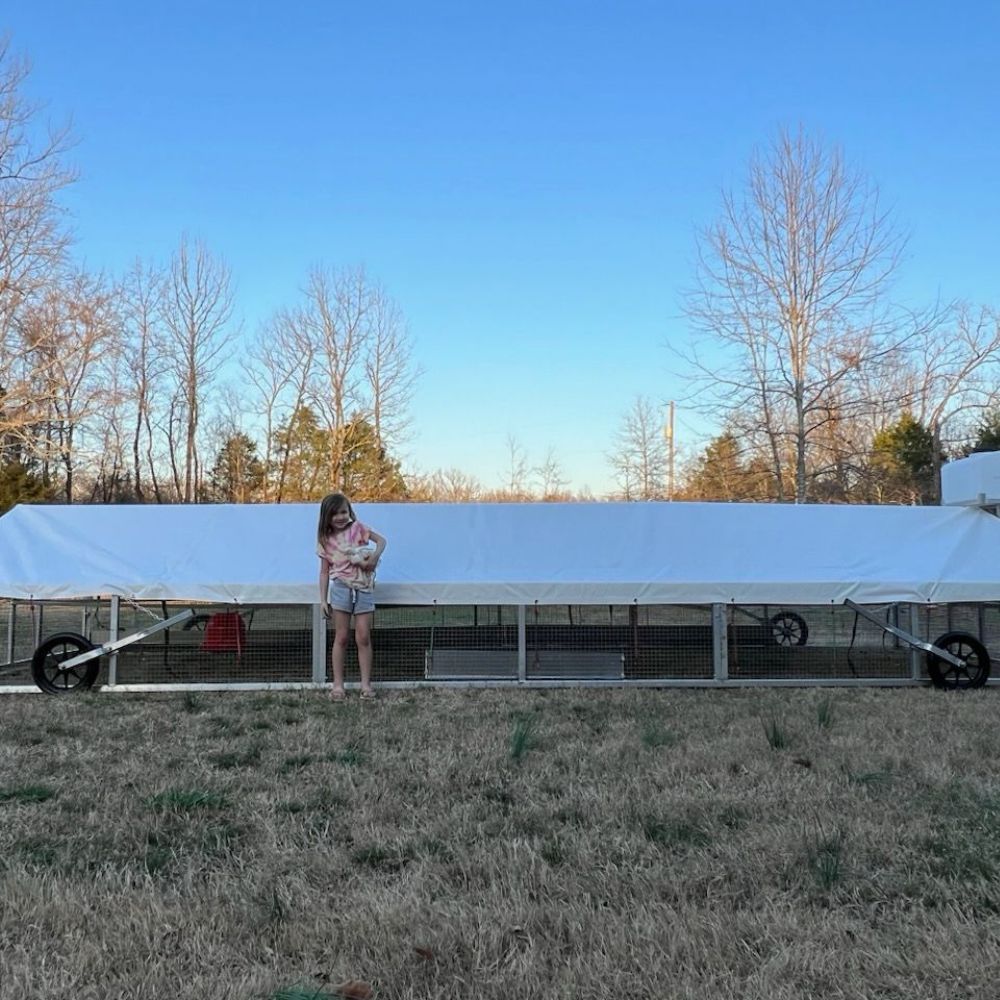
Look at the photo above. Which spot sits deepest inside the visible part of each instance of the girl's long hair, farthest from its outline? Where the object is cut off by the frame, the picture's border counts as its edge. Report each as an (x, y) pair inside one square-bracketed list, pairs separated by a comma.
[(329, 506)]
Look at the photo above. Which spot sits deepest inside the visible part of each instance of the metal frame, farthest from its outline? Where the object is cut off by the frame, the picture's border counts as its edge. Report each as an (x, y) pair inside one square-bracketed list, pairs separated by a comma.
[(11, 620), (907, 637), (115, 644), (720, 676)]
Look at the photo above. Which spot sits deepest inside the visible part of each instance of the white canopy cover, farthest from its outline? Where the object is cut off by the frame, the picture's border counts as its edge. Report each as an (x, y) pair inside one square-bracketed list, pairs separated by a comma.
[(569, 553)]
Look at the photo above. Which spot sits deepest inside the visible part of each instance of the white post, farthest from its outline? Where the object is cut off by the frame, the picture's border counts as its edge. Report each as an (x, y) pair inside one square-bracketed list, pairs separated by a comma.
[(112, 637), (720, 642), (522, 644), (11, 619), (318, 645), (915, 654)]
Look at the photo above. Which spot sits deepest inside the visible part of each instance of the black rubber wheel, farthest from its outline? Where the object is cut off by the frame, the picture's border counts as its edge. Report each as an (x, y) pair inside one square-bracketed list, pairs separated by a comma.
[(951, 678), (51, 677), (789, 629)]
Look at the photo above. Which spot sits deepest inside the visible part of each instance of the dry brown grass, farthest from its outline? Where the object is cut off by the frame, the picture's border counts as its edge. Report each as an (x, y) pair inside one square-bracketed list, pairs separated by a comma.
[(500, 844)]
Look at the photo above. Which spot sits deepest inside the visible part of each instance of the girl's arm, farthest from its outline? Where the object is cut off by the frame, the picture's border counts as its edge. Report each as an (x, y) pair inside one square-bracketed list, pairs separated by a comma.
[(324, 586), (379, 541)]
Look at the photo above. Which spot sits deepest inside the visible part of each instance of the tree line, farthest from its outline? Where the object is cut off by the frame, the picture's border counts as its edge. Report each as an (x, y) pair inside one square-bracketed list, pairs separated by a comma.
[(824, 386), (143, 388), (112, 389)]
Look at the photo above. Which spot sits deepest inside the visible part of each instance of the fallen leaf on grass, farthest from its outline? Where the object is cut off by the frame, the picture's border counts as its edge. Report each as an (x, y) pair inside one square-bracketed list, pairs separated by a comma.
[(354, 989), (803, 762), (425, 953)]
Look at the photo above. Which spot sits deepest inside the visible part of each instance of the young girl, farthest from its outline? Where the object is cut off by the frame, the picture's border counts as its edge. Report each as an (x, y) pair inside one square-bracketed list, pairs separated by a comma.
[(346, 581)]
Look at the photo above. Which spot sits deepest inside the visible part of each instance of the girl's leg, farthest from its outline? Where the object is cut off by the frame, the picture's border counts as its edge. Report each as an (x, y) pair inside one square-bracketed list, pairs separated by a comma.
[(363, 638), (342, 625)]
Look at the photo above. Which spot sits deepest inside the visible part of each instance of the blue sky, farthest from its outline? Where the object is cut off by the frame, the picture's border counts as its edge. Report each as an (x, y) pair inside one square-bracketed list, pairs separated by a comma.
[(525, 179)]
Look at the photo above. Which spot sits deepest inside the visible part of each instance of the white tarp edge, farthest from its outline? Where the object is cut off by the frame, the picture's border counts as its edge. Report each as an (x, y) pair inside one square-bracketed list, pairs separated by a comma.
[(577, 553)]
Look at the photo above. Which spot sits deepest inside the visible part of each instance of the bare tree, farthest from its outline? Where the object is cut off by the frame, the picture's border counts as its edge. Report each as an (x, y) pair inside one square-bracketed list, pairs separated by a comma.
[(445, 486), (108, 473), (33, 237), (551, 477), (71, 332), (952, 375), (145, 366), (639, 457), (337, 315), (363, 372), (791, 283), (280, 365), (516, 485), (389, 369), (197, 311)]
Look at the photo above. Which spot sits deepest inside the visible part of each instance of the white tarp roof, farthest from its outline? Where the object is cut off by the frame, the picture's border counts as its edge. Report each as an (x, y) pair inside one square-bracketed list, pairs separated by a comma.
[(574, 553)]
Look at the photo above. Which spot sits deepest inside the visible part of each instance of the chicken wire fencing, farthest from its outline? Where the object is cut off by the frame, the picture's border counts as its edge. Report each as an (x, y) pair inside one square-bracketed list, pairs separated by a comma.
[(290, 645)]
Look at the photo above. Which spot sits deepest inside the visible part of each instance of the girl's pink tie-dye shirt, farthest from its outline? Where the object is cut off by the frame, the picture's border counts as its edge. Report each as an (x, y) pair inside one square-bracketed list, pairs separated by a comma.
[(337, 549)]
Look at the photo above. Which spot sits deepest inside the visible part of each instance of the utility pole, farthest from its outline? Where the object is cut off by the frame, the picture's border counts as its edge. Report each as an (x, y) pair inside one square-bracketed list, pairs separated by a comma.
[(668, 435)]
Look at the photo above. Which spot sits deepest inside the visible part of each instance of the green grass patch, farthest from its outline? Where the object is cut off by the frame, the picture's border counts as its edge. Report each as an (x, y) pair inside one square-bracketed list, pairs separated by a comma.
[(963, 843), (775, 733), (192, 703), (824, 856), (875, 779), (824, 712), (350, 756), (523, 737), (653, 734), (186, 800), (297, 762), (384, 857), (27, 794), (675, 832), (39, 852), (304, 993), (247, 757)]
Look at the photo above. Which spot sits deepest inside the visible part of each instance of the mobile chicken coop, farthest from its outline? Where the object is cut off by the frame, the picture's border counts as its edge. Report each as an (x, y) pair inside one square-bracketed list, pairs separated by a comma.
[(217, 596)]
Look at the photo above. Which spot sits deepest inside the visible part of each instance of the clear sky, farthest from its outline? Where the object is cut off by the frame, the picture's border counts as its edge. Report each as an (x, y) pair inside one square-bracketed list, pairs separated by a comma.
[(526, 179)]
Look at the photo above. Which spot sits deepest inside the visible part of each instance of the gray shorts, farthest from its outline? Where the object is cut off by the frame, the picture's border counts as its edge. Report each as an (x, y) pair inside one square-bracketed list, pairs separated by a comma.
[(354, 602)]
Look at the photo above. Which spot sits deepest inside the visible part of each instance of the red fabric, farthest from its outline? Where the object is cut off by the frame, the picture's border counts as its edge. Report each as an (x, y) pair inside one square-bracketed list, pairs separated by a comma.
[(225, 632)]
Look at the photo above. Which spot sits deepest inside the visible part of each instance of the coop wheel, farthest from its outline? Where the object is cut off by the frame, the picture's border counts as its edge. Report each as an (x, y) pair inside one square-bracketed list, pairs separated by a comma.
[(51, 677), (789, 629), (977, 662)]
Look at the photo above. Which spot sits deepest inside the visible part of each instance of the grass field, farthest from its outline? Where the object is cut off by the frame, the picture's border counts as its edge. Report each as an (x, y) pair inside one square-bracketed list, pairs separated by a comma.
[(501, 844)]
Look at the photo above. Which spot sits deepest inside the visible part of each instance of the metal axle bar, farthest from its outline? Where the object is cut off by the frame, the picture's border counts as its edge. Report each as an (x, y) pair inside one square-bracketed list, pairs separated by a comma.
[(110, 647), (908, 637)]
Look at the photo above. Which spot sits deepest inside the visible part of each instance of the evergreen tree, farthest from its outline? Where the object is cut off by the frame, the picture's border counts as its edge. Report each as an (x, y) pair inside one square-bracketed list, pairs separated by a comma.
[(722, 472), (368, 471), (18, 484), (300, 466), (238, 474), (902, 463), (987, 433)]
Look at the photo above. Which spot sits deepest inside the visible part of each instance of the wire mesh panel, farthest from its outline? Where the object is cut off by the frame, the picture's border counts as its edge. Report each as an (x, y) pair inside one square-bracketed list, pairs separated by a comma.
[(815, 643), (441, 642), (649, 642), (987, 619), (980, 620), (12, 652), (219, 644), (576, 642), (672, 642), (274, 643), (23, 624)]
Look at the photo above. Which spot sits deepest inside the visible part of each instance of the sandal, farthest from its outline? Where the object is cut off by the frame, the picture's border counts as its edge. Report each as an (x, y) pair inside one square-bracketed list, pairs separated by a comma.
[(368, 695), (338, 695)]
